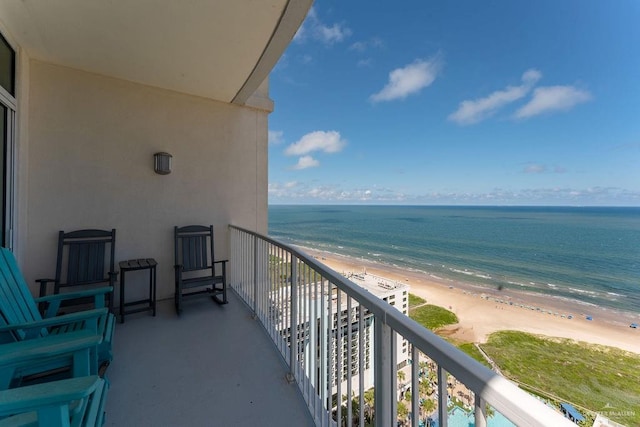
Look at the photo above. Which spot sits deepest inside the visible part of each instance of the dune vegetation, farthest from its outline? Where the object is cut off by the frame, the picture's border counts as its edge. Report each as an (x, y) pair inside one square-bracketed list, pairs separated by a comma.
[(599, 378)]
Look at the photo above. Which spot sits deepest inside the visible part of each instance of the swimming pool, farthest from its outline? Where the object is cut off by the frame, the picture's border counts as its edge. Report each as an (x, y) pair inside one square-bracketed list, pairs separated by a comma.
[(458, 417)]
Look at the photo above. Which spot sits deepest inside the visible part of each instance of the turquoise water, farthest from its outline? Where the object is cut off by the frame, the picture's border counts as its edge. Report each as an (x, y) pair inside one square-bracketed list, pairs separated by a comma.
[(591, 255), (460, 418)]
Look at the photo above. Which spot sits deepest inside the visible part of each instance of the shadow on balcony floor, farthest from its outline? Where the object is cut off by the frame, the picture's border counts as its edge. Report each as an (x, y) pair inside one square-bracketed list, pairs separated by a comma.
[(213, 366)]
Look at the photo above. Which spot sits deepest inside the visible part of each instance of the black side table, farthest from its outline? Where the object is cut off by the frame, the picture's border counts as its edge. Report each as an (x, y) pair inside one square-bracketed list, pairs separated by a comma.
[(133, 265)]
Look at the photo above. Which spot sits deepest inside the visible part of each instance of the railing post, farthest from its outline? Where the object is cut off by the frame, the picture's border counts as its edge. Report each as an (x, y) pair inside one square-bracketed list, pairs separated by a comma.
[(324, 342), (480, 411), (293, 316), (415, 387), (394, 377), (383, 373), (338, 356), (361, 363), (349, 362), (255, 277), (443, 393)]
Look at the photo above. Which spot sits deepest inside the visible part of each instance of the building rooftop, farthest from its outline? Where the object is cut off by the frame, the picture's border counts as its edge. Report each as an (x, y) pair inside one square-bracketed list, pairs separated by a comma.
[(377, 285)]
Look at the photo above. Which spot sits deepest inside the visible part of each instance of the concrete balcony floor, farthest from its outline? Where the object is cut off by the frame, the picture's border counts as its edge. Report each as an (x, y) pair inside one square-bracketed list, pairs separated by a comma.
[(212, 366)]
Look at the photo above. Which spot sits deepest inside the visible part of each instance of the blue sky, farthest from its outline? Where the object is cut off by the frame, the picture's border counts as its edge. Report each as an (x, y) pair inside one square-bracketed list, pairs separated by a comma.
[(459, 102)]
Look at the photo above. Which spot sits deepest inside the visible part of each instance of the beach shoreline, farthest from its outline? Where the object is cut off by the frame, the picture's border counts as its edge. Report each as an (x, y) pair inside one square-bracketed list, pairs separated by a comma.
[(484, 310)]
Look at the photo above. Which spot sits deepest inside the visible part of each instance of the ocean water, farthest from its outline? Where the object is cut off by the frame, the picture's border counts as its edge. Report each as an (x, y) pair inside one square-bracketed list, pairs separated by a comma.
[(591, 255)]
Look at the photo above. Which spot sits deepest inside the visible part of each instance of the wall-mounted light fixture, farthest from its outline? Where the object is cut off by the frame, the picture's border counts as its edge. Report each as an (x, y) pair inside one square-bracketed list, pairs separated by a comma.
[(162, 163)]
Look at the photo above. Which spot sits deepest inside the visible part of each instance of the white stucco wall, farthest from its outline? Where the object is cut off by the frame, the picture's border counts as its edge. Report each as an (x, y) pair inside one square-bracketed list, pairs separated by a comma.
[(89, 164)]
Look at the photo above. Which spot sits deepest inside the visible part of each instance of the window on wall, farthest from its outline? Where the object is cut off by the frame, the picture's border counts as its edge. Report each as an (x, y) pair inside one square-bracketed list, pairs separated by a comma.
[(7, 136), (7, 67)]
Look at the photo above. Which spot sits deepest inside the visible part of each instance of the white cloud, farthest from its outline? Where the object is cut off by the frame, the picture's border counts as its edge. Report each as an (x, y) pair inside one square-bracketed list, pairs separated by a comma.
[(314, 28), (329, 142), (409, 79), (552, 98), (376, 42), (323, 192), (531, 76), (358, 46), (331, 193), (331, 34), (275, 137), (306, 162), (306, 59), (301, 34), (474, 111), (301, 192), (362, 46), (535, 168), (285, 190)]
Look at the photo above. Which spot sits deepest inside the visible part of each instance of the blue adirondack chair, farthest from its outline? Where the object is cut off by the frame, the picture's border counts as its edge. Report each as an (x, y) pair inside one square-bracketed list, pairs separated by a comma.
[(70, 402), (39, 355), (20, 319)]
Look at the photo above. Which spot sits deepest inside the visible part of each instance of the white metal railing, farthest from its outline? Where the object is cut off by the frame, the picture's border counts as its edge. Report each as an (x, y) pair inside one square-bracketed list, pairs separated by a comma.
[(340, 340)]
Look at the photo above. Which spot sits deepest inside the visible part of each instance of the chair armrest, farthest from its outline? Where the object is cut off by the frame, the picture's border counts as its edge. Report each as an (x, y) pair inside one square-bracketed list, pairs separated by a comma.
[(178, 269), (50, 304), (54, 393), (65, 319), (33, 350), (43, 285), (223, 262), (76, 294)]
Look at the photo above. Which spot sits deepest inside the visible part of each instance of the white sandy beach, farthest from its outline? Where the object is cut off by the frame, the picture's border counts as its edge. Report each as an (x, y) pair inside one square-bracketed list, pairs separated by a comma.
[(481, 314)]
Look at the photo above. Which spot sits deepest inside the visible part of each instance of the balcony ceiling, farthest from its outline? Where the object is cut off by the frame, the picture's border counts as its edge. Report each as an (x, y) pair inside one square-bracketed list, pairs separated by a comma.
[(216, 49)]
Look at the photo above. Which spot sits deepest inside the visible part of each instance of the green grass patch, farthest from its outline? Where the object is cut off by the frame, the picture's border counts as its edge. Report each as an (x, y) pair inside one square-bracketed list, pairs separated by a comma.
[(473, 351), (433, 317), (415, 300), (596, 377)]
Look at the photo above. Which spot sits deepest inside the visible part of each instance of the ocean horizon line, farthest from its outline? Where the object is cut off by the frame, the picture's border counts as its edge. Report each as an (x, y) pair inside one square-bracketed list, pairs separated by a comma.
[(447, 205)]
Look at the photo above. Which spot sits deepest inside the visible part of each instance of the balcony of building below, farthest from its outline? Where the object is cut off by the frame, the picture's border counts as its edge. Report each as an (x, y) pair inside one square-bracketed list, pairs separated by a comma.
[(213, 365)]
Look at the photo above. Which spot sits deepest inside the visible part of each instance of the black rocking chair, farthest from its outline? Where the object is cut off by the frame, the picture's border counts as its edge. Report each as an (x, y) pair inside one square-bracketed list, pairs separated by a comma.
[(83, 257), (195, 265)]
